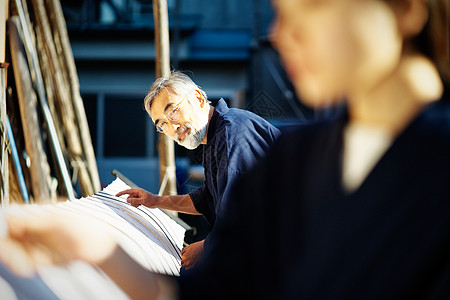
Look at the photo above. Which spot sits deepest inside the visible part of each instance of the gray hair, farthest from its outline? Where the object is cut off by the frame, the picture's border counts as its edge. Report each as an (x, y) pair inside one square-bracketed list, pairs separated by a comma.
[(176, 83)]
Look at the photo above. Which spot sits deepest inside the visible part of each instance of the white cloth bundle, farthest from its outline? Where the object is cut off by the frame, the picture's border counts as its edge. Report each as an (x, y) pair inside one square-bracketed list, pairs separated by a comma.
[(149, 236)]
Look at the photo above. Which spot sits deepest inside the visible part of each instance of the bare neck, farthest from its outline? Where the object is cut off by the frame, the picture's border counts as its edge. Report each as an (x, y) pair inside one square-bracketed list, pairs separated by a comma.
[(210, 113), (397, 100)]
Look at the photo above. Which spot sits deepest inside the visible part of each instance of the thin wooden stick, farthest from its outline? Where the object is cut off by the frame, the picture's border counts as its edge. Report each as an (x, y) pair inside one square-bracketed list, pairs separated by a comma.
[(3, 154), (165, 144), (4, 169), (38, 84), (39, 168), (65, 54), (63, 98)]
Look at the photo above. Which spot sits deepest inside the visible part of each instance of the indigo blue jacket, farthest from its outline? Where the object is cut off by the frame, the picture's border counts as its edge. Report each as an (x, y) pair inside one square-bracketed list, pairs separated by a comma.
[(292, 232), (236, 140)]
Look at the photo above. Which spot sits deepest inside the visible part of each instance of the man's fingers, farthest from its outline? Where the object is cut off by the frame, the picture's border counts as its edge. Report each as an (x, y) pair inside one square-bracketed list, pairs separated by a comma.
[(130, 192), (134, 201), (185, 263), (186, 259)]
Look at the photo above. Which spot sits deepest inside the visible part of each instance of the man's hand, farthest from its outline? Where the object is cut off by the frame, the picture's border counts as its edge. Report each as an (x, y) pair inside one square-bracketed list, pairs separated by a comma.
[(190, 255), (180, 203), (140, 196)]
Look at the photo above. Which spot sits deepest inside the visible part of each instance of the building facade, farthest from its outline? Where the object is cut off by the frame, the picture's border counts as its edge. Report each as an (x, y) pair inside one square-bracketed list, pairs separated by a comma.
[(222, 45)]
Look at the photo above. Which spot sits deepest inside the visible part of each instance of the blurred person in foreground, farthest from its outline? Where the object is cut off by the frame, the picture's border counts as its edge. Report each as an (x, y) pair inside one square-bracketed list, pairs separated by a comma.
[(355, 208), (233, 141)]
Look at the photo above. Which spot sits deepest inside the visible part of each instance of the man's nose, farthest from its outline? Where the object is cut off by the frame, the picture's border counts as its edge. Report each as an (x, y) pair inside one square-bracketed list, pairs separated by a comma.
[(175, 126)]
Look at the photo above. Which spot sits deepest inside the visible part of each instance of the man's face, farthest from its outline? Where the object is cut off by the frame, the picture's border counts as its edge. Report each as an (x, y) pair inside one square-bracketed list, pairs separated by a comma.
[(180, 117)]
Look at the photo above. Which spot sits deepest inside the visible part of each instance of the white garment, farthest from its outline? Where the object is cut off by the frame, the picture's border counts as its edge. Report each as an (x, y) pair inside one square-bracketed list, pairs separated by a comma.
[(364, 145)]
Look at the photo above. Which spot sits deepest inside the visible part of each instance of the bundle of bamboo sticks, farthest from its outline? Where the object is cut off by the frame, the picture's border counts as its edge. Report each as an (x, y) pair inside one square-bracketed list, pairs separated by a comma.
[(54, 149)]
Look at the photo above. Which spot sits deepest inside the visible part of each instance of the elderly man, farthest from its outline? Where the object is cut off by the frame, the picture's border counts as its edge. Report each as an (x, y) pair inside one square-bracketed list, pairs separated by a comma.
[(233, 140)]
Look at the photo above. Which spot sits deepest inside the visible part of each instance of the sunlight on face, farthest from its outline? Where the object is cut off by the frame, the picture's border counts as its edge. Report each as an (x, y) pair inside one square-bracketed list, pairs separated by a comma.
[(196, 129), (335, 48), (189, 129)]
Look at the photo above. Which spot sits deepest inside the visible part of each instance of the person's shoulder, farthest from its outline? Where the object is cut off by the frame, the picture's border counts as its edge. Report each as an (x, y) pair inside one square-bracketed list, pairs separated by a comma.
[(295, 142), (429, 132), (436, 118), (238, 120), (232, 115), (243, 114), (306, 130)]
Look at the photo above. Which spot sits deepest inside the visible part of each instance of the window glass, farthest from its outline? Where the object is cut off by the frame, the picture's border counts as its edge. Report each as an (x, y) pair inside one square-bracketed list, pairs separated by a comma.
[(125, 127), (90, 107)]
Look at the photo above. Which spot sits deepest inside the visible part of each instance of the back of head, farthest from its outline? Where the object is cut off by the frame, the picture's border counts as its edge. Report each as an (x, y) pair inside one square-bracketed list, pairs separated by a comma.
[(176, 83)]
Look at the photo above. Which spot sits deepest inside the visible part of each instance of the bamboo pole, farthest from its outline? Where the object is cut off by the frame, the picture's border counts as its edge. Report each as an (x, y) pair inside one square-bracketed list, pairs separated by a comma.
[(49, 88), (4, 184), (4, 168), (65, 54), (38, 85), (165, 144), (62, 95), (3, 17), (39, 168)]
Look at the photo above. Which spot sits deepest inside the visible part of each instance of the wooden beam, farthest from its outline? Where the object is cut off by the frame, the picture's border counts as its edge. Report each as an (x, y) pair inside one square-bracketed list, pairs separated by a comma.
[(55, 69), (39, 168), (62, 42), (165, 144), (38, 84), (3, 18), (4, 184), (4, 168)]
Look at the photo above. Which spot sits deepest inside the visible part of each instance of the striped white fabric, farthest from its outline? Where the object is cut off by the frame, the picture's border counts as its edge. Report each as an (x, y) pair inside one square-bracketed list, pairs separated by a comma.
[(149, 236)]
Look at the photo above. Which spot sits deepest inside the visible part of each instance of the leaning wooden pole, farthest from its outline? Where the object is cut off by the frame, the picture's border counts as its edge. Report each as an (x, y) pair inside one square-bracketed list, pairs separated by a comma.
[(61, 91), (39, 168), (38, 84), (4, 184), (60, 30), (162, 64), (4, 168)]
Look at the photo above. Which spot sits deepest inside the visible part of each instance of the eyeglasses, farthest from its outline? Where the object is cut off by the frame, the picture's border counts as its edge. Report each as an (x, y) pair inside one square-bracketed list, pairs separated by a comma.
[(172, 113)]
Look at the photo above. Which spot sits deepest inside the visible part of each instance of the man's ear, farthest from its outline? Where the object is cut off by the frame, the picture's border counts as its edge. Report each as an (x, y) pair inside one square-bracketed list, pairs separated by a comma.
[(412, 15), (199, 96)]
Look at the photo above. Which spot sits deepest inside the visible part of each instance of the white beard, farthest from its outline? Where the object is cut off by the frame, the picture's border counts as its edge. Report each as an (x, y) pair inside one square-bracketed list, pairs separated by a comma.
[(197, 132)]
